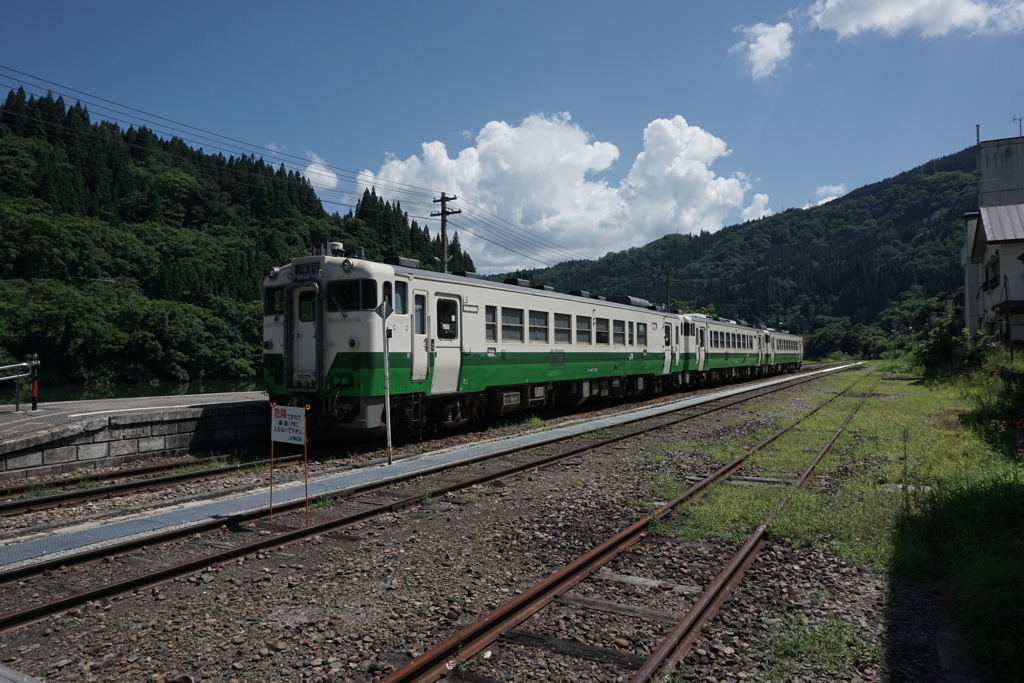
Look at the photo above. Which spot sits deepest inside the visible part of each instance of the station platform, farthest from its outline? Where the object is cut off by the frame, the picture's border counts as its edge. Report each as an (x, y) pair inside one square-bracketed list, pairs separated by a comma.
[(69, 435), (65, 541)]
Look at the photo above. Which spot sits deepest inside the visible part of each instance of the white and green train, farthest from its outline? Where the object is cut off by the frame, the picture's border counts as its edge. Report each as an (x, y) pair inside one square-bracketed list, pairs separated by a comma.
[(460, 347)]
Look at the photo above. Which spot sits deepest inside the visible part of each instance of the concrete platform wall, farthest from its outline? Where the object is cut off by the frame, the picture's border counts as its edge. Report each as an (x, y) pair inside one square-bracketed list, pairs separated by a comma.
[(111, 441)]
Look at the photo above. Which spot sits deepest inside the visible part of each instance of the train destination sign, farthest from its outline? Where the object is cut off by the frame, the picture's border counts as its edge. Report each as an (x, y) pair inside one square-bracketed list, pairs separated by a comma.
[(288, 424)]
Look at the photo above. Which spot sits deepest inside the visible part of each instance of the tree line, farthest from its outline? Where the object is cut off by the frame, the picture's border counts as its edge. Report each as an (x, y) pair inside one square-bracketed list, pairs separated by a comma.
[(129, 257)]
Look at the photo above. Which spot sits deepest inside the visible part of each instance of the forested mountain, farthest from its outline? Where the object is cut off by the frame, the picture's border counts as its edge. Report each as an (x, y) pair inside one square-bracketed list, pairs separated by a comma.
[(127, 257), (845, 273)]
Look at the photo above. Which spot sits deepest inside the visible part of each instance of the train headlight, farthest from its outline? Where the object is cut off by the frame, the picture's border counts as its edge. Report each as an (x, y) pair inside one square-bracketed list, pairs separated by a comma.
[(353, 343), (272, 273), (346, 265), (267, 344)]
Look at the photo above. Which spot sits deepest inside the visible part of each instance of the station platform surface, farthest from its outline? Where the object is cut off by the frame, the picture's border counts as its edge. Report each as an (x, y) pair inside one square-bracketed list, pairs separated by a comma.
[(49, 417)]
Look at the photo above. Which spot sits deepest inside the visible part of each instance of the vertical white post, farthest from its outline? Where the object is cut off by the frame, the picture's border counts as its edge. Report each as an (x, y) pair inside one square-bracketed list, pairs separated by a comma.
[(384, 310)]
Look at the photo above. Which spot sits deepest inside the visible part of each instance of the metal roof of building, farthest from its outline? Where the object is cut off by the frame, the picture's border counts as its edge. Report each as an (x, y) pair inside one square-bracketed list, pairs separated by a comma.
[(1003, 223)]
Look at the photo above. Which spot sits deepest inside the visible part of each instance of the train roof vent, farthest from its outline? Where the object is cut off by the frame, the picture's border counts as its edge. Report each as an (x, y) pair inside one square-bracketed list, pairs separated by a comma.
[(661, 308), (580, 292), (517, 281), (629, 300), (545, 288), (467, 273), (598, 297), (401, 261)]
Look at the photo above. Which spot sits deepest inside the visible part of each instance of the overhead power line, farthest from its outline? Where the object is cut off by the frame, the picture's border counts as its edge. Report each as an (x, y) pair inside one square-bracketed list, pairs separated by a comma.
[(485, 225)]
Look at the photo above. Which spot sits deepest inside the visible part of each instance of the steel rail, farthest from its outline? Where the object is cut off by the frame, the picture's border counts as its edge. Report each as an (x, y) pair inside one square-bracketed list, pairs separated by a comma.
[(21, 505), (447, 655), (679, 641), (36, 612)]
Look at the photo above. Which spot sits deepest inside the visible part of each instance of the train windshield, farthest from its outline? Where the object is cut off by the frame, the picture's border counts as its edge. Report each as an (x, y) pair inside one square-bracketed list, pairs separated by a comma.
[(352, 295)]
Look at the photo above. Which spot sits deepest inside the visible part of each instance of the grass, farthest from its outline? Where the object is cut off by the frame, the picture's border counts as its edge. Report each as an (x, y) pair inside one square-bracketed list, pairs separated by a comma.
[(928, 486), (831, 645), (202, 465)]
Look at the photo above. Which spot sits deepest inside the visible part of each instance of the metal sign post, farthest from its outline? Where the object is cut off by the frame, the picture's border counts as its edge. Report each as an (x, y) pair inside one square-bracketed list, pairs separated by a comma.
[(385, 310)]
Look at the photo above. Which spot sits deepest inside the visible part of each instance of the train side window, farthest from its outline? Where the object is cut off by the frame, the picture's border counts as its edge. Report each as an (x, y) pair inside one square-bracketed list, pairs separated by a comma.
[(307, 306), (619, 332), (630, 338), (447, 319), (583, 329), (563, 328), (641, 334), (491, 323), (677, 334), (420, 314), (668, 336), (700, 337), (539, 327), (511, 324), (273, 300), (601, 330), (387, 295), (401, 298)]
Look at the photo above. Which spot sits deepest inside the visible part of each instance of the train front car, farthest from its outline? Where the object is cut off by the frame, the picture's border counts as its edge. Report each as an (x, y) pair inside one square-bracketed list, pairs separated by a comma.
[(323, 336)]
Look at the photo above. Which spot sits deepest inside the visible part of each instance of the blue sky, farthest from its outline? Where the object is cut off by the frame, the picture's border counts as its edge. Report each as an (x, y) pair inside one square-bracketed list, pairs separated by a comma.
[(594, 126)]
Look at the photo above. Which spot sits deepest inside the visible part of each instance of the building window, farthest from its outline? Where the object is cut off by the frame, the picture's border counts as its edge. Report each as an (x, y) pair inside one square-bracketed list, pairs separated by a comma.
[(583, 330), (563, 328), (511, 324)]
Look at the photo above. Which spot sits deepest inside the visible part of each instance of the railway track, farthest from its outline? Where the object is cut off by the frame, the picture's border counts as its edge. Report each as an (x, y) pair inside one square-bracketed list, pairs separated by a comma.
[(360, 503), (48, 494), (334, 577), (459, 652)]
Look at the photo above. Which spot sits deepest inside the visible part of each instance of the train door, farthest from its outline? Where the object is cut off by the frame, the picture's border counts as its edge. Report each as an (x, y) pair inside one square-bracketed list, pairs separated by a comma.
[(668, 347), (701, 352), (447, 342), (769, 350), (679, 343), (420, 341), (304, 356)]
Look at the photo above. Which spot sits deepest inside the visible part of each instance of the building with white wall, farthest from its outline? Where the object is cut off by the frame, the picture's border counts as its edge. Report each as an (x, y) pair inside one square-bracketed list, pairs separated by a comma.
[(993, 254)]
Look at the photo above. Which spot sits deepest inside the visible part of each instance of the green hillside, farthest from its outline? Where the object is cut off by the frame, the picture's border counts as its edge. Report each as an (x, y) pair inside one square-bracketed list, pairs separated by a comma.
[(875, 257), (127, 257)]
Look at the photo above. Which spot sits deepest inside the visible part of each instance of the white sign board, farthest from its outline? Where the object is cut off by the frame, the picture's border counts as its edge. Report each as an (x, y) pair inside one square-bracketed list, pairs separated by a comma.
[(288, 424)]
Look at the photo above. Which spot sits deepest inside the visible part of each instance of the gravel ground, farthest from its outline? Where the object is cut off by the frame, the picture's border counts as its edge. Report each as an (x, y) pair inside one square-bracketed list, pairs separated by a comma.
[(354, 605)]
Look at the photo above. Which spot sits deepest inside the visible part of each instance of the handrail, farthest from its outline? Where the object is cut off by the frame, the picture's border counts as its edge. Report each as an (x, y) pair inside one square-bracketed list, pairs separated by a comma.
[(28, 367), (30, 371)]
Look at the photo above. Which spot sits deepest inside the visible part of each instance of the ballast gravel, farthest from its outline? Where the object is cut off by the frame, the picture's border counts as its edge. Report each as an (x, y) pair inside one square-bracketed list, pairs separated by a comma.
[(357, 604)]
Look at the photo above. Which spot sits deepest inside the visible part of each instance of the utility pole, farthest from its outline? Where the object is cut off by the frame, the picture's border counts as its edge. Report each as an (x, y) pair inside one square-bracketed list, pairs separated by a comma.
[(444, 213)]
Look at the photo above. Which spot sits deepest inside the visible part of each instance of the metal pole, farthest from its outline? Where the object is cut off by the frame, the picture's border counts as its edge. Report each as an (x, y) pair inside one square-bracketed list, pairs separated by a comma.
[(387, 375)]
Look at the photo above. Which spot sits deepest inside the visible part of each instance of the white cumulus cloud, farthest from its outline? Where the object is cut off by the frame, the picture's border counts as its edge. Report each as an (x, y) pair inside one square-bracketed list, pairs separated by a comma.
[(765, 47), (317, 173), (544, 175), (757, 209), (827, 193), (928, 18)]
